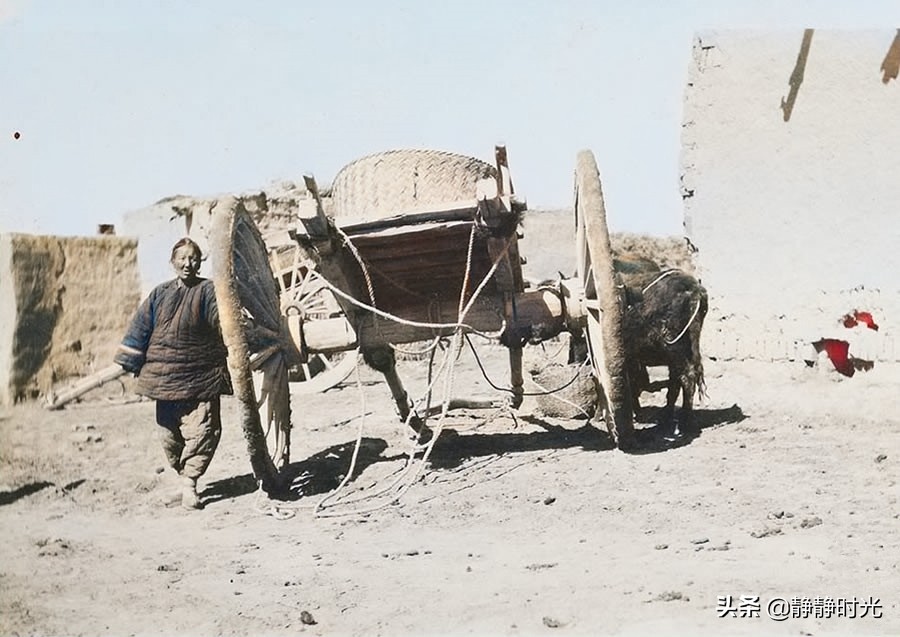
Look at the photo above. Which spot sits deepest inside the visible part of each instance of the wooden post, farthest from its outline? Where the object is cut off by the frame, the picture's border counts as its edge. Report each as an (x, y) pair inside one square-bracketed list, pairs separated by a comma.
[(323, 221)]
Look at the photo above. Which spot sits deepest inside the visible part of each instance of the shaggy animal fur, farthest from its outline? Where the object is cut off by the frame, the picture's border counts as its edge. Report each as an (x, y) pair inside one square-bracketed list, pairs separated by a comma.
[(663, 329)]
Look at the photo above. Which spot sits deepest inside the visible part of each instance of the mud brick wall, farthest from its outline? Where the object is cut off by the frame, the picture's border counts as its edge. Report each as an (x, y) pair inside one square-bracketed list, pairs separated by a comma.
[(66, 304), (789, 180)]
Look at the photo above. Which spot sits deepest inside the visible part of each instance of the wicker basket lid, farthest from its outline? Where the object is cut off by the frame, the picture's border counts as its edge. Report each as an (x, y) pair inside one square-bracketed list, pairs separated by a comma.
[(398, 181)]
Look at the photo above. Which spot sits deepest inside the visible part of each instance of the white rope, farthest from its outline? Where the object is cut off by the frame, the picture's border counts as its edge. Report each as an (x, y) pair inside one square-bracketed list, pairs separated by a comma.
[(359, 436), (320, 512), (659, 278), (284, 511), (369, 287), (552, 393), (448, 388), (484, 281), (277, 511), (392, 317), (448, 363), (555, 356), (693, 316), (428, 349), (465, 283), (402, 477), (440, 326), (696, 309)]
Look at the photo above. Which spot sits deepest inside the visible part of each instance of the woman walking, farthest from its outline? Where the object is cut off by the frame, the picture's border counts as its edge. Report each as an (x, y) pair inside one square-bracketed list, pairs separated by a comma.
[(174, 346)]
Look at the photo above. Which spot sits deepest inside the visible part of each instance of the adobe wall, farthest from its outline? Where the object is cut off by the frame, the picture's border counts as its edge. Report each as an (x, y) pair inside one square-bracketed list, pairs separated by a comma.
[(790, 165), (67, 303)]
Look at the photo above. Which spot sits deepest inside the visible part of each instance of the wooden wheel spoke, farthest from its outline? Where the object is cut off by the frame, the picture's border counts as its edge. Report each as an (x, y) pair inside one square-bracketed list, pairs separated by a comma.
[(295, 268), (304, 288), (305, 281), (316, 307)]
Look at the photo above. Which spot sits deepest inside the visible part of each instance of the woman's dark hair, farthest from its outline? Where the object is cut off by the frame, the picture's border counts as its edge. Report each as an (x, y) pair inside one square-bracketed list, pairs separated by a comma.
[(186, 241)]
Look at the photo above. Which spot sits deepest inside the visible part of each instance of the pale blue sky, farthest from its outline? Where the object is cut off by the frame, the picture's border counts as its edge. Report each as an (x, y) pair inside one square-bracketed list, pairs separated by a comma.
[(121, 103)]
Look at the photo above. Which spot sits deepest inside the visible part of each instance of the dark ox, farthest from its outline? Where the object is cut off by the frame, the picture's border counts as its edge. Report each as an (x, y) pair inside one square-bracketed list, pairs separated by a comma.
[(662, 324)]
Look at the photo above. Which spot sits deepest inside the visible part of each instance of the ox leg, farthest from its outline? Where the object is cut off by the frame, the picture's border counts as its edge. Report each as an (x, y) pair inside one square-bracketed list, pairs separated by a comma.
[(382, 359), (680, 380), (688, 387), (687, 409), (639, 380), (674, 387)]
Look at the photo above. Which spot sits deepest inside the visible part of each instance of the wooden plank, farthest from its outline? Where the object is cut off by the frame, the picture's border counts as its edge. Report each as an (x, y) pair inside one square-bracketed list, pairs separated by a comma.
[(455, 211)]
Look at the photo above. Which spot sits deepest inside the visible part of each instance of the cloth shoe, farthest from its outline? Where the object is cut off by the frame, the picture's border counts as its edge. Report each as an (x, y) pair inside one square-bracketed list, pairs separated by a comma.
[(189, 497)]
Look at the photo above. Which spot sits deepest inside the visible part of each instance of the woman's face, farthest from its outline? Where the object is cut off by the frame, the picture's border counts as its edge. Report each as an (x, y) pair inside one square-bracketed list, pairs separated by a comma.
[(186, 262)]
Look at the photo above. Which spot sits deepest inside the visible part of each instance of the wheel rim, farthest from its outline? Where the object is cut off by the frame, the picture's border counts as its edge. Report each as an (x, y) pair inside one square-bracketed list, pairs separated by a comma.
[(260, 349), (602, 300), (305, 297)]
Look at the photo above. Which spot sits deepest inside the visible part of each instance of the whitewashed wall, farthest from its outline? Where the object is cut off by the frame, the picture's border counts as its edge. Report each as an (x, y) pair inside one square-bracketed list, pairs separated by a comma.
[(796, 222)]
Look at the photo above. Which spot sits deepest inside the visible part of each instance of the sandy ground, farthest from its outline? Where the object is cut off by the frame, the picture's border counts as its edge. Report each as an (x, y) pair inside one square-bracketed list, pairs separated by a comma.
[(517, 526)]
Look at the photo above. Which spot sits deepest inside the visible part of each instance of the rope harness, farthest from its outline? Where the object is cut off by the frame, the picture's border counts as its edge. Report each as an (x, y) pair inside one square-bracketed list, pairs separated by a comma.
[(696, 308), (334, 504), (684, 331)]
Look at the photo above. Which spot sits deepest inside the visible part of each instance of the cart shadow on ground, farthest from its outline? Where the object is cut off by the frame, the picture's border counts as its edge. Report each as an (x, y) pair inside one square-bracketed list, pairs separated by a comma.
[(656, 433), (323, 471), (318, 474), (653, 435), (453, 449)]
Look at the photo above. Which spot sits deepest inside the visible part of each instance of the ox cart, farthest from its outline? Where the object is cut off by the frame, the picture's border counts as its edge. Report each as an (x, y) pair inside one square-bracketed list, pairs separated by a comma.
[(420, 266)]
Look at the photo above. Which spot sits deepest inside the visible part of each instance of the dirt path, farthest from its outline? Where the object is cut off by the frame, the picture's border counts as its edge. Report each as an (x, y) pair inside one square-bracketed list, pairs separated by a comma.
[(525, 527)]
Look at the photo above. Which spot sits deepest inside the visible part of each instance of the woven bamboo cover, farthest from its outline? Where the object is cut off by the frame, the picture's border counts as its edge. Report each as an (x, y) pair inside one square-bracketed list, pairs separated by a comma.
[(398, 181)]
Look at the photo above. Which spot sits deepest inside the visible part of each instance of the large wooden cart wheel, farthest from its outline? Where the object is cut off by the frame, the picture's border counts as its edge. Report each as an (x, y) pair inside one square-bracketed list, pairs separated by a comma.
[(603, 301), (305, 298), (260, 349)]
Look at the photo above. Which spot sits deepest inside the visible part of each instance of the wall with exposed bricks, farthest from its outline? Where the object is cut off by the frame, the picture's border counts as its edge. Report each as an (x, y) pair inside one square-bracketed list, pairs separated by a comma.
[(790, 170)]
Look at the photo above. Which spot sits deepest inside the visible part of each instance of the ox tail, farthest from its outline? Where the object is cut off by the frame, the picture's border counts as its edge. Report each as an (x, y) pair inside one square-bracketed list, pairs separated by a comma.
[(696, 327)]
